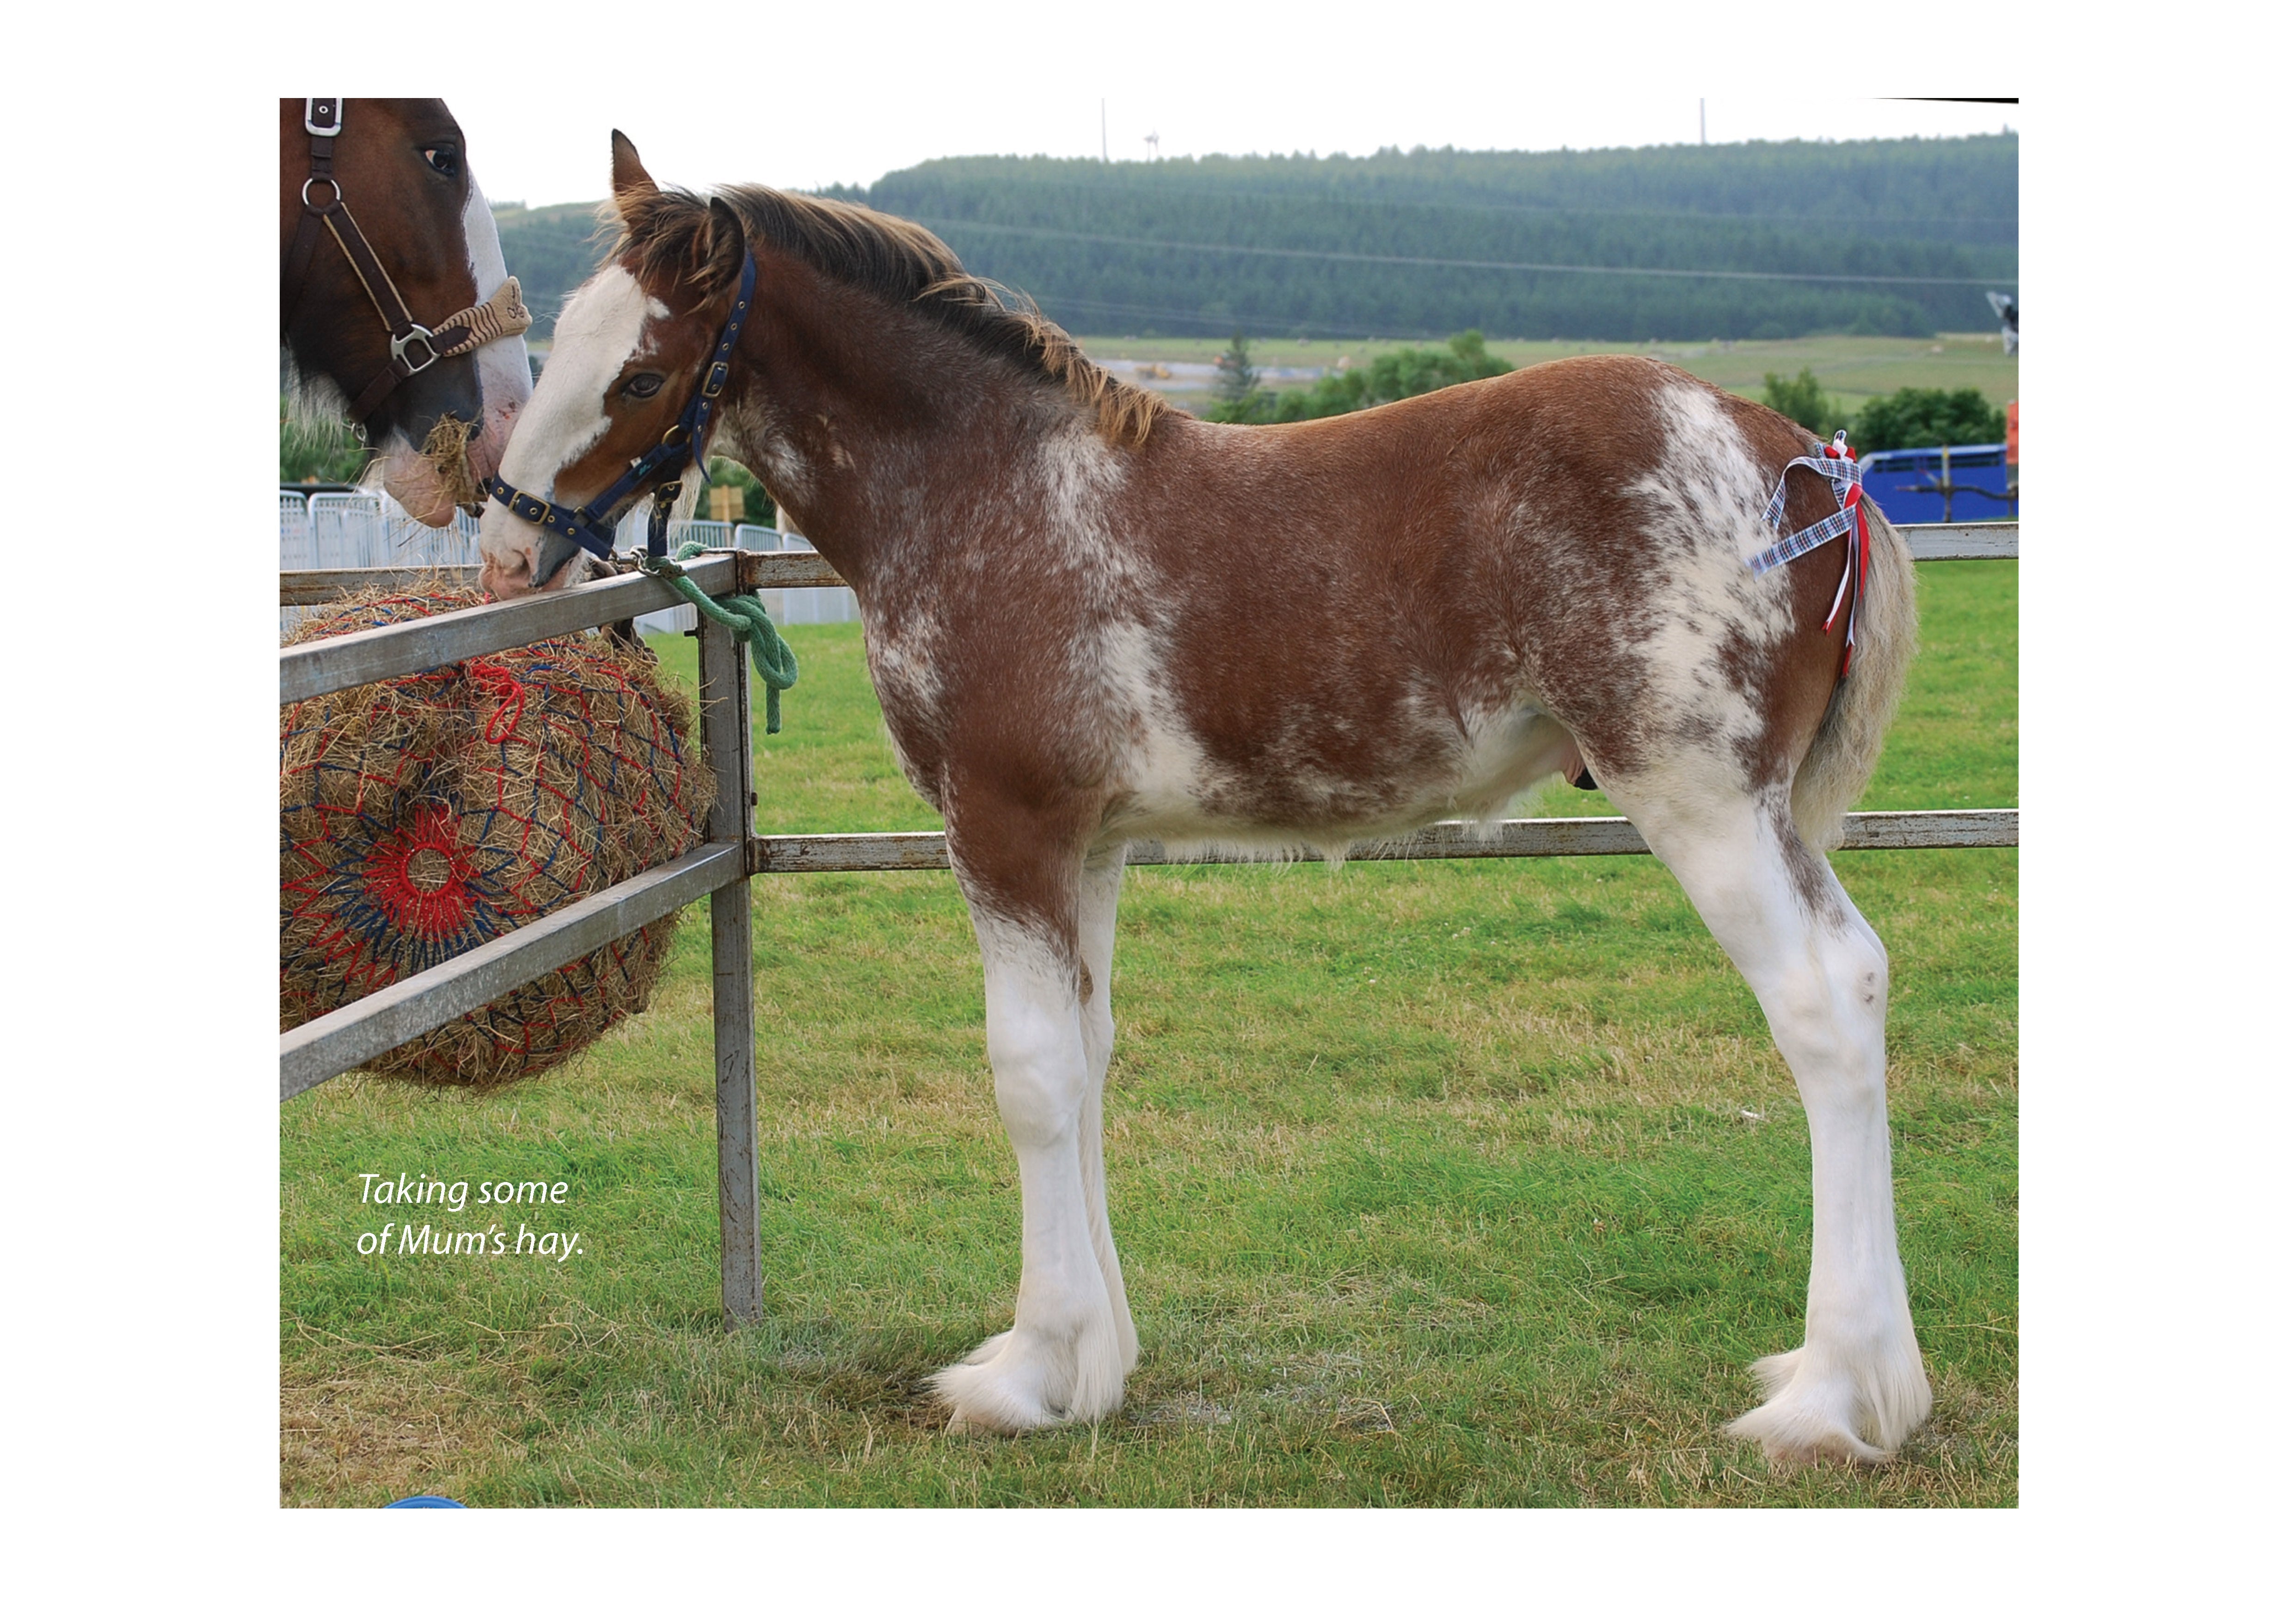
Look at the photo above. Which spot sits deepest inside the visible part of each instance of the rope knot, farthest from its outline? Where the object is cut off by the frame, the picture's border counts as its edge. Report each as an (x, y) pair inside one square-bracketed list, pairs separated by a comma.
[(744, 614)]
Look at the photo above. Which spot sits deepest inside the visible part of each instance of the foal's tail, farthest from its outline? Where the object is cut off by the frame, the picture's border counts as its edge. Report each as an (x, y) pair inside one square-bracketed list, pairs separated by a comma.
[(1841, 757)]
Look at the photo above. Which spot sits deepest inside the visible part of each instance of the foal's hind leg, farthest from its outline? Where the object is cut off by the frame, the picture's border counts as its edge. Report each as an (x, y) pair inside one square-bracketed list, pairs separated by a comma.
[(1856, 1387), (1063, 1360)]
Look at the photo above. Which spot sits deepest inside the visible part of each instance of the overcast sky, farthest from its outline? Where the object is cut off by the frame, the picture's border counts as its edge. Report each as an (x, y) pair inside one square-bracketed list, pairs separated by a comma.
[(798, 147), (801, 103)]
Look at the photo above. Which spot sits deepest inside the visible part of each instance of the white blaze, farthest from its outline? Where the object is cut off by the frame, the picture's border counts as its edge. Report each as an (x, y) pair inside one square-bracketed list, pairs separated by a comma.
[(597, 332)]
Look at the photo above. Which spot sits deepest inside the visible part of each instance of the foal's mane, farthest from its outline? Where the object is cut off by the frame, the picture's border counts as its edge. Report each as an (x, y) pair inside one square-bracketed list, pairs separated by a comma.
[(897, 262)]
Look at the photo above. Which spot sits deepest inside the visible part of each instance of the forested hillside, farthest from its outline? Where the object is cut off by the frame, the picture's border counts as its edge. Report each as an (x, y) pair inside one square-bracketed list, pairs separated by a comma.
[(1674, 242), (551, 249)]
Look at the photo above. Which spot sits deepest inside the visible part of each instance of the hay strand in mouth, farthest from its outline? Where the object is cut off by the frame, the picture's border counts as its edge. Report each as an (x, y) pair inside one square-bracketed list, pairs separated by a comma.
[(448, 448)]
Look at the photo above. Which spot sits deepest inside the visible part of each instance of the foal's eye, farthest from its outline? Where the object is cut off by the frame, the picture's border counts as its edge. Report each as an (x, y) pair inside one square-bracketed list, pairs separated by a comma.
[(641, 386), (442, 158)]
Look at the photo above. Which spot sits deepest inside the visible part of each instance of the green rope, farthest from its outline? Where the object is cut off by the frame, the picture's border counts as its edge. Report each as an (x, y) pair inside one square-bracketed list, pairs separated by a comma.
[(743, 614)]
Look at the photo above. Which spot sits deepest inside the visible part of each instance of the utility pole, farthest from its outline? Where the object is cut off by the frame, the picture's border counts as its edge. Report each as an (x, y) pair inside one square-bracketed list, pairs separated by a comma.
[(1701, 119), (1103, 128)]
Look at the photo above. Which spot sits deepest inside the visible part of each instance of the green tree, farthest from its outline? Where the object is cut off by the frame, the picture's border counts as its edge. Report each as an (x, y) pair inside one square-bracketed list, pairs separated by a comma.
[(1416, 370), (1804, 401), (1237, 386), (1928, 418), (1413, 371), (1334, 393)]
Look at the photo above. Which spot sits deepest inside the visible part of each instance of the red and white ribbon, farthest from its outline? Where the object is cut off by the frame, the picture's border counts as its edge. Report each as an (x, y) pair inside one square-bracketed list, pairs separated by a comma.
[(1842, 470)]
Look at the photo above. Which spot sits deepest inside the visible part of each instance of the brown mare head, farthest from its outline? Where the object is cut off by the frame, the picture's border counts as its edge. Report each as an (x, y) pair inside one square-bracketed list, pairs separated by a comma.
[(402, 170)]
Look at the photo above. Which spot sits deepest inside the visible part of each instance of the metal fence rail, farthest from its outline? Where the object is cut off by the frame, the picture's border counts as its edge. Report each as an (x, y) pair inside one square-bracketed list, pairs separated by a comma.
[(1549, 839), (383, 1019), (328, 538), (337, 530), (760, 571), (732, 852), (314, 669)]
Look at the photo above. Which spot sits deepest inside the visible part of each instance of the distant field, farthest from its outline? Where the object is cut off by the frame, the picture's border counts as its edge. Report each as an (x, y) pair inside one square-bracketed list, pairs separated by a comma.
[(1450, 1183), (1853, 368)]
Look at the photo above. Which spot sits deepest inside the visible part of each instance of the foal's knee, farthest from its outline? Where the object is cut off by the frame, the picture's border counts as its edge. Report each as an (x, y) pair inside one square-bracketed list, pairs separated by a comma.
[(1859, 967), (1038, 1057), (1828, 1016)]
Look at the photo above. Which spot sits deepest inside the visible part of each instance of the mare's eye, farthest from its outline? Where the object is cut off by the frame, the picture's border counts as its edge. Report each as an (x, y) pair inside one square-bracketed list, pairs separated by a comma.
[(444, 158), (641, 386)]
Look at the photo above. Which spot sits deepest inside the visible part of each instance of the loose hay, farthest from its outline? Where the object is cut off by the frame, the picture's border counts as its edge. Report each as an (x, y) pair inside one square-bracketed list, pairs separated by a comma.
[(421, 817), (448, 448)]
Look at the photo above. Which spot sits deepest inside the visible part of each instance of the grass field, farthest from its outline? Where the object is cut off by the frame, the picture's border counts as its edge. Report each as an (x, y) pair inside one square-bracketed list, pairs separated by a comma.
[(1853, 368), (1437, 1184)]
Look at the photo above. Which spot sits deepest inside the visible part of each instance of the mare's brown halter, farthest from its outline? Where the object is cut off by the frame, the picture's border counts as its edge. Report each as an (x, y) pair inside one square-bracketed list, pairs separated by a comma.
[(412, 347)]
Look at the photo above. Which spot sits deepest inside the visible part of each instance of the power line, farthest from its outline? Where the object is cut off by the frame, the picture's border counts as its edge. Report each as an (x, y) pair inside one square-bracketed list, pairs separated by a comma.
[(1449, 262), (1231, 321)]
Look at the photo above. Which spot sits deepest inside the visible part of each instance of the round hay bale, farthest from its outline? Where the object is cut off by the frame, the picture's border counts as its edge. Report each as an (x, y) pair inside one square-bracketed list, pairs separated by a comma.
[(419, 817)]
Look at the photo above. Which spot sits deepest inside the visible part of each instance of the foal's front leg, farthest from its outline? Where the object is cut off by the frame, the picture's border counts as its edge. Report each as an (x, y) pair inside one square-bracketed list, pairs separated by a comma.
[(1103, 879), (1062, 1359)]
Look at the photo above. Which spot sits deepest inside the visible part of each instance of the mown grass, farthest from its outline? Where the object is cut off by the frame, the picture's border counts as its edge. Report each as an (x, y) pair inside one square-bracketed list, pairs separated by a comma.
[(1852, 367), (1437, 1184)]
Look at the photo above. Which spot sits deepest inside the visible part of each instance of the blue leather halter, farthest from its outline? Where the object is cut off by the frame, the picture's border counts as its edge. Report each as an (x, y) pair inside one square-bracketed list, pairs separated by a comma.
[(591, 526)]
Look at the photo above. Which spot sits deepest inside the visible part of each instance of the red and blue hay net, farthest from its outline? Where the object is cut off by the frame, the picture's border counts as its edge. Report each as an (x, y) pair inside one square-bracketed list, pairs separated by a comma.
[(421, 817)]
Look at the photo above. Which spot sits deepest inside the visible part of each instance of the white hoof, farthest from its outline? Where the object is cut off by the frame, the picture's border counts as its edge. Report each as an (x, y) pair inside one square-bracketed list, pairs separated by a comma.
[(1017, 1383), (1791, 1434), (1813, 1412)]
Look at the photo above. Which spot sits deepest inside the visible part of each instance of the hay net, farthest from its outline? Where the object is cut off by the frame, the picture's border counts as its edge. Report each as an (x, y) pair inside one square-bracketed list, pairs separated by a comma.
[(421, 817)]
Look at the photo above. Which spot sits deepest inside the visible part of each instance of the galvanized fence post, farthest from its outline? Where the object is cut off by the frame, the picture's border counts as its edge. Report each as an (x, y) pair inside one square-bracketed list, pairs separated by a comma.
[(726, 733)]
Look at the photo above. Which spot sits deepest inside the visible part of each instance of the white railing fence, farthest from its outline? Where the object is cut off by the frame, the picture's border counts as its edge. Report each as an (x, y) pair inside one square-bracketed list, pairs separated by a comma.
[(363, 530)]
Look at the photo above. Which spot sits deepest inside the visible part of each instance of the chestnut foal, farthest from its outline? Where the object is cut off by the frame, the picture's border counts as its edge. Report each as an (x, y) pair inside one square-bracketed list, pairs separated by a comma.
[(1092, 618)]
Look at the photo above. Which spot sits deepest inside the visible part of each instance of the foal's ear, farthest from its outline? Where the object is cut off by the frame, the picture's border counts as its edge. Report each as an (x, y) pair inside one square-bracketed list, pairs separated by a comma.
[(631, 181), (724, 249)]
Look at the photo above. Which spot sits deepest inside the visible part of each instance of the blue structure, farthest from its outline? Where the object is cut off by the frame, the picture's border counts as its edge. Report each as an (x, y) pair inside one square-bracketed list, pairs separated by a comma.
[(1932, 485)]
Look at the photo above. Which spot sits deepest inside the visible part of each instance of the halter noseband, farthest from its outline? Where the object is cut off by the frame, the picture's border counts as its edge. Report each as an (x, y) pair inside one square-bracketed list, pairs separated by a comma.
[(412, 347), (591, 527)]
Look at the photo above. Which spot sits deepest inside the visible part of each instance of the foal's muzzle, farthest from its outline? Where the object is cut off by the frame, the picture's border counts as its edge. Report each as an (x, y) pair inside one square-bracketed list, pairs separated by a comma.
[(552, 553)]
